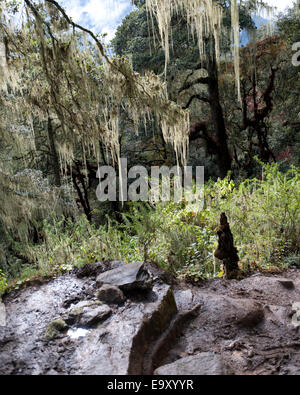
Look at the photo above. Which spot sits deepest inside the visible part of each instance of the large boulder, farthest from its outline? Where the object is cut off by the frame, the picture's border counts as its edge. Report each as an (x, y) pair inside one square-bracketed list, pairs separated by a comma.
[(88, 338), (127, 277), (94, 269)]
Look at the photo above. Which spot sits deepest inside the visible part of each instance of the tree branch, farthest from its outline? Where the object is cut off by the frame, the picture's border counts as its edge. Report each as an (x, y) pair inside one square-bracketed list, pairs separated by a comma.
[(188, 85), (198, 97)]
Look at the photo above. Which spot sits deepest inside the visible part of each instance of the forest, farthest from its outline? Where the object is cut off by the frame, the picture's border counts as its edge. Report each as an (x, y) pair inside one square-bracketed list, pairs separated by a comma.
[(202, 83)]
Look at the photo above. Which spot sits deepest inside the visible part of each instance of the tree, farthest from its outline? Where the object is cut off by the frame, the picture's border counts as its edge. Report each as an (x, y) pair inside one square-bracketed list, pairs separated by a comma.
[(56, 73), (82, 85), (232, 131), (132, 37)]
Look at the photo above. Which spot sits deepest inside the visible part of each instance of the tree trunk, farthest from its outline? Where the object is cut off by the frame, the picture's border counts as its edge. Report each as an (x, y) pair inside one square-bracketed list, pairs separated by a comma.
[(224, 158)]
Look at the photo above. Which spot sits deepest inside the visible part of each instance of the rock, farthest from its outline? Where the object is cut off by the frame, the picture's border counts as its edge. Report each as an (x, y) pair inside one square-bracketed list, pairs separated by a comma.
[(75, 312), (92, 316), (286, 283), (120, 344), (296, 315), (184, 299), (152, 327), (253, 314), (127, 277), (278, 314), (87, 313), (110, 294), (55, 328), (206, 363), (222, 310), (157, 273), (94, 269), (2, 314)]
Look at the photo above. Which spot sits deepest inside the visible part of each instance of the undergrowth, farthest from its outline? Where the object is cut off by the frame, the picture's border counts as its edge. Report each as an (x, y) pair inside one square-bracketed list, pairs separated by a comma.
[(263, 215)]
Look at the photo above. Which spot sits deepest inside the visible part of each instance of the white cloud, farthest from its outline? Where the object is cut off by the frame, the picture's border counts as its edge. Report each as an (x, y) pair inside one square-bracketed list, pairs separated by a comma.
[(281, 5), (102, 16)]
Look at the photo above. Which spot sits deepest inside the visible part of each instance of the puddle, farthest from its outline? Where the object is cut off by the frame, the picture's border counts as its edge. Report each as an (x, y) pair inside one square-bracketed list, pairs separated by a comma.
[(77, 333)]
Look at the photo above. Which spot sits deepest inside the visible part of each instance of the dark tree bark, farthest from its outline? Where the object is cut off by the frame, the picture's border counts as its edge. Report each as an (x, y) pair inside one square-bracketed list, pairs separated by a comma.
[(256, 122), (81, 185), (226, 250), (217, 143), (224, 159)]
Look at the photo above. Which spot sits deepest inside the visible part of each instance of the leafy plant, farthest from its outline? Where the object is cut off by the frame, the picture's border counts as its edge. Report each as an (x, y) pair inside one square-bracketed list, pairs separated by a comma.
[(3, 283), (263, 215)]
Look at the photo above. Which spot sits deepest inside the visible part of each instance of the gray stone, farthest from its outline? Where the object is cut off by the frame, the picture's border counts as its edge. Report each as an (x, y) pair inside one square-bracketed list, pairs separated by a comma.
[(93, 315), (206, 363), (110, 294), (87, 313), (127, 277)]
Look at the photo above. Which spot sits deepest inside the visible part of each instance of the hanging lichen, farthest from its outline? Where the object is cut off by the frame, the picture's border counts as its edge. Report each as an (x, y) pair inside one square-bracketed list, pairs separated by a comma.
[(236, 41), (83, 87), (204, 17), (51, 68)]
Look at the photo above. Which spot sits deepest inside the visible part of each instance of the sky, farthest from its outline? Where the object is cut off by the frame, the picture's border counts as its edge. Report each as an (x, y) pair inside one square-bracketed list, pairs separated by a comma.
[(103, 16)]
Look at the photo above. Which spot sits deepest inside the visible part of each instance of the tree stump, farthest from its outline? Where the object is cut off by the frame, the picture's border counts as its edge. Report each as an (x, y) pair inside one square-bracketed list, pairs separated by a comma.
[(226, 251)]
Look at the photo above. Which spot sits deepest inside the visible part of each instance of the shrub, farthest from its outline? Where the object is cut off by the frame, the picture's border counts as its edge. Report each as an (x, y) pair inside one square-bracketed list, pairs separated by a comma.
[(263, 215), (3, 283)]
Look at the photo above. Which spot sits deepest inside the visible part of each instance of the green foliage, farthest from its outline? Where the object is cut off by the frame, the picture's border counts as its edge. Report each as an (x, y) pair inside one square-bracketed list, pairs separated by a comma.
[(263, 215), (3, 283), (145, 223), (68, 244)]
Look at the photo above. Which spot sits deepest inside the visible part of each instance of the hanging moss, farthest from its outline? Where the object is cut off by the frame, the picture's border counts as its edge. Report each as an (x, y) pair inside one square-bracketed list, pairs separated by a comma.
[(83, 87), (204, 17)]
